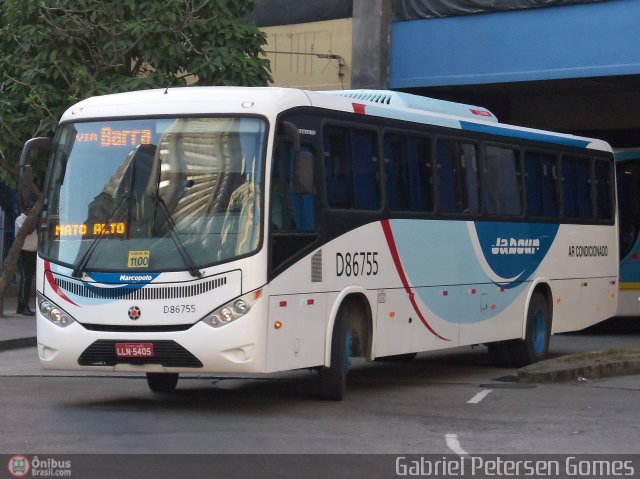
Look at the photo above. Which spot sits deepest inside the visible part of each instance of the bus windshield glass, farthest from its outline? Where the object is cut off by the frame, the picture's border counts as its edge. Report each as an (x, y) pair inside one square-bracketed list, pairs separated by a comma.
[(163, 194)]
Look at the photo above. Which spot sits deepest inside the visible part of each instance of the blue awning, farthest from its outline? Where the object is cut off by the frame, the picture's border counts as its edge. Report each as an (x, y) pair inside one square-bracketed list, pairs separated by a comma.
[(575, 41)]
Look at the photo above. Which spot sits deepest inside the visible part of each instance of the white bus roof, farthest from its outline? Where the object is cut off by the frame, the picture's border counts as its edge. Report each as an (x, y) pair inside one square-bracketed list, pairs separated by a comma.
[(406, 100), (188, 100), (270, 101)]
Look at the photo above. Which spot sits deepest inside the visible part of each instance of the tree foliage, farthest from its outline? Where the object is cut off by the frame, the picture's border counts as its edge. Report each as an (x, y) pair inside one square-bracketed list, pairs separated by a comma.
[(56, 52)]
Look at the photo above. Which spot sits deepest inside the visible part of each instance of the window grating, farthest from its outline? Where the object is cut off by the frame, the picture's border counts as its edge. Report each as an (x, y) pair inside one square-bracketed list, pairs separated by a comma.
[(316, 267)]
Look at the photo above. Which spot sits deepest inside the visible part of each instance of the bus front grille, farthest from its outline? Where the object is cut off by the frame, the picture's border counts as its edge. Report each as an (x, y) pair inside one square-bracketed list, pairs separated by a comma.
[(165, 352), (137, 291)]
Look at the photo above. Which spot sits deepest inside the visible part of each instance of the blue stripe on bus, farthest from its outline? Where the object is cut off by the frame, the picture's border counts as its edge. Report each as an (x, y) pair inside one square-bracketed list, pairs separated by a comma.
[(451, 277), (514, 251), (525, 135)]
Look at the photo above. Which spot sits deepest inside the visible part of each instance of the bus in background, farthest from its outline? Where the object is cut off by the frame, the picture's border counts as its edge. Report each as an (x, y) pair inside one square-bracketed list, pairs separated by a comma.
[(628, 178), (255, 230)]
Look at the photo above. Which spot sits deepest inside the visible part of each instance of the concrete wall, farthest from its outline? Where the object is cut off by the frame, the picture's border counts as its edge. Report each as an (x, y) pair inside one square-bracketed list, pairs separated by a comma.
[(314, 56)]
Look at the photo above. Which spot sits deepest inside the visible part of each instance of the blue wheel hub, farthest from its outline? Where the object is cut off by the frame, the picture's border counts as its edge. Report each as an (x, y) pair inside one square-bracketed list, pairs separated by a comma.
[(539, 333), (347, 352)]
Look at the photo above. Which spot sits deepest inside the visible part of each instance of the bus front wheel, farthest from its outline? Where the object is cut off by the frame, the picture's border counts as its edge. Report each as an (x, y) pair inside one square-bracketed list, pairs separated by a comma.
[(333, 380), (162, 382)]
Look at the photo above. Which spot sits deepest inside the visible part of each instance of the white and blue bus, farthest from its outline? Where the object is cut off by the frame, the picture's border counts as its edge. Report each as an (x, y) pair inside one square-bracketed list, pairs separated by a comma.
[(255, 230), (628, 176)]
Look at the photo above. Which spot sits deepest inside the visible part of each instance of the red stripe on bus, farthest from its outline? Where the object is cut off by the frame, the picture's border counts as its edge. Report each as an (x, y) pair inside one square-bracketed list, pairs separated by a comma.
[(358, 108), (52, 282), (386, 227)]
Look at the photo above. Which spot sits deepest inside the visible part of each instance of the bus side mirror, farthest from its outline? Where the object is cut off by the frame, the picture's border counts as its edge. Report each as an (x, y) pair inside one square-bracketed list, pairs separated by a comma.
[(25, 196), (25, 182)]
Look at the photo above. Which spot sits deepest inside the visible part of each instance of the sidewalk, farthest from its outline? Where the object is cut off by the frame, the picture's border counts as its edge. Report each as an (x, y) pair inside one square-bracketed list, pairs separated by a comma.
[(584, 366), (16, 331)]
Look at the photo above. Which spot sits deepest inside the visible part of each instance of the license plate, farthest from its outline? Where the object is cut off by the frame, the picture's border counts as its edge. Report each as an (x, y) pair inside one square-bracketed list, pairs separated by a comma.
[(134, 350)]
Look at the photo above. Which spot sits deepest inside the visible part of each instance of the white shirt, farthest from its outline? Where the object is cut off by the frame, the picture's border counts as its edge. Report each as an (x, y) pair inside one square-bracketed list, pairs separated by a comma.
[(31, 240)]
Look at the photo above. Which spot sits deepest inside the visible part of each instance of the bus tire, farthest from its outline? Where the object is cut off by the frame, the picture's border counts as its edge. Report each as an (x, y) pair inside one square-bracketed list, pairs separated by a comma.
[(535, 345), (162, 382), (332, 381)]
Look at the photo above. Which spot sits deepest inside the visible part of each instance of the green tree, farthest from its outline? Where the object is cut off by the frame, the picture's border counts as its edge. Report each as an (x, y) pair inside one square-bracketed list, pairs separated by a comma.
[(54, 53)]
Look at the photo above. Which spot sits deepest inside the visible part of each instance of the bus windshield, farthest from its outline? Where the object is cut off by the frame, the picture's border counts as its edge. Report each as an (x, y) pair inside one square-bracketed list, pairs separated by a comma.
[(164, 194)]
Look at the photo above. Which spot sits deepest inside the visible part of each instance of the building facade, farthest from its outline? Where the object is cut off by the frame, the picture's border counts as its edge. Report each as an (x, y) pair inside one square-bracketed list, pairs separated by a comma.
[(564, 65)]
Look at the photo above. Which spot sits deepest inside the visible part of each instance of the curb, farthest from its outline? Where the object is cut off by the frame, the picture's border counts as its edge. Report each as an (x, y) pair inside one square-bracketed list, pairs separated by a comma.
[(8, 344), (599, 364)]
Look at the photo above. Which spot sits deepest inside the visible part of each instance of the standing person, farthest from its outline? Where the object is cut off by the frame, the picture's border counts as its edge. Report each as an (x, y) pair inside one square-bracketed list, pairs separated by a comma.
[(26, 265)]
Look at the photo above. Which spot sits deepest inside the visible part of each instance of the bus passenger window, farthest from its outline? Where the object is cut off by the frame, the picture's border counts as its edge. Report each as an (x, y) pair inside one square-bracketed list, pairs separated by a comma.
[(501, 176), (604, 189), (457, 177), (338, 171), (303, 204), (281, 217), (408, 173), (292, 204), (469, 202), (628, 176), (421, 174), (576, 187), (541, 184), (445, 151), (364, 150), (397, 172), (351, 168)]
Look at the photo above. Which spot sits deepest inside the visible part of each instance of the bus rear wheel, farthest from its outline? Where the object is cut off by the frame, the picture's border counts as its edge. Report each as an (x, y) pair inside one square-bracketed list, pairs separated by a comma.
[(162, 382), (332, 381), (535, 345)]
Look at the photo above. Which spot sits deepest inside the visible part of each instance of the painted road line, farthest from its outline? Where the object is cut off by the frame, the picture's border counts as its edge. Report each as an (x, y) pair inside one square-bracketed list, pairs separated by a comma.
[(479, 397), (454, 444)]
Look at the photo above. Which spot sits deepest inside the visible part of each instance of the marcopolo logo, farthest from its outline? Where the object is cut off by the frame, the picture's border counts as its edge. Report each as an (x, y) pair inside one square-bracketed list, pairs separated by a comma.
[(136, 277), (515, 246)]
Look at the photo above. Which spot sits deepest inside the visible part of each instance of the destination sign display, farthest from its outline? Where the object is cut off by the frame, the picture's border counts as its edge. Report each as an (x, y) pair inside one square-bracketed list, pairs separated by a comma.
[(110, 137), (90, 230)]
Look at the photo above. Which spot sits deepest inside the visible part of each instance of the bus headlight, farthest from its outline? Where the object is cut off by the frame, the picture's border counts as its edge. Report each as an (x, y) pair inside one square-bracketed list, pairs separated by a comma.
[(241, 306), (54, 314), (232, 310)]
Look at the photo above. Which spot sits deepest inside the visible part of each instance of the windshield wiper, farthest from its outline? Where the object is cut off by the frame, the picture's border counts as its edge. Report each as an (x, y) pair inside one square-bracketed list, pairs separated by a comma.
[(124, 201), (79, 268), (182, 249)]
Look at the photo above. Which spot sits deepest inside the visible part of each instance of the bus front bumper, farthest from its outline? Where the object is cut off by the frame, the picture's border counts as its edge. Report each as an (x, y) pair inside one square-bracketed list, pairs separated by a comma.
[(196, 350)]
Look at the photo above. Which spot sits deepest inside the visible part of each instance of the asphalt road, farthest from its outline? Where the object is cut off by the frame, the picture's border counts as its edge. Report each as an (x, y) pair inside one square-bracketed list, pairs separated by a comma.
[(441, 403)]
